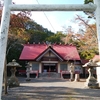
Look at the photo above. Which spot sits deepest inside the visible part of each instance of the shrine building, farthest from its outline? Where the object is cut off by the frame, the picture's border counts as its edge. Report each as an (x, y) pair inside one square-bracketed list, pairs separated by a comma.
[(51, 58)]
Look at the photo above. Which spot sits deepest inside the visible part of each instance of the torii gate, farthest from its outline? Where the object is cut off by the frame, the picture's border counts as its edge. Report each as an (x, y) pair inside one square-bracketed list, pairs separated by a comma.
[(8, 6)]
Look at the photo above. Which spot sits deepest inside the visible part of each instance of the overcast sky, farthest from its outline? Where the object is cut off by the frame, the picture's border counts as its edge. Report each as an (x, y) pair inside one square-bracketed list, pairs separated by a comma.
[(57, 19)]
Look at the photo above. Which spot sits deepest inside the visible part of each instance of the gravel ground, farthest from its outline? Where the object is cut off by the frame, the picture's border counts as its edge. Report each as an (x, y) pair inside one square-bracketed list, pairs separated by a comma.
[(51, 89)]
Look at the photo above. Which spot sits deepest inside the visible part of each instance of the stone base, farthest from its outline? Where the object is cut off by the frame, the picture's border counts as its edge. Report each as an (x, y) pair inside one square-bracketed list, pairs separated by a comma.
[(28, 79), (92, 83), (71, 80), (36, 77), (13, 82), (77, 78)]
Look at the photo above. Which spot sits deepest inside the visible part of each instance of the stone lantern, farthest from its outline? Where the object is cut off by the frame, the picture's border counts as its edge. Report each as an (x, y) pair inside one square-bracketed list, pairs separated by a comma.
[(71, 72), (13, 81), (28, 72), (91, 81)]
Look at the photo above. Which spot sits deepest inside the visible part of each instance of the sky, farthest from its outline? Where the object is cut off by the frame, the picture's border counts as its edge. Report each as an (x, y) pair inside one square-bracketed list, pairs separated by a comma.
[(57, 19)]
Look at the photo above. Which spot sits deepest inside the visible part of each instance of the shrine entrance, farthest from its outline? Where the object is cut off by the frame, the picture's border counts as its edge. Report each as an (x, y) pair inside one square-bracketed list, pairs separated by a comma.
[(49, 67)]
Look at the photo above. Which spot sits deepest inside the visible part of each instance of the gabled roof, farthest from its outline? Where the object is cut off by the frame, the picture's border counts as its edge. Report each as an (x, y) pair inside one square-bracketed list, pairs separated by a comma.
[(33, 51), (46, 51), (68, 52)]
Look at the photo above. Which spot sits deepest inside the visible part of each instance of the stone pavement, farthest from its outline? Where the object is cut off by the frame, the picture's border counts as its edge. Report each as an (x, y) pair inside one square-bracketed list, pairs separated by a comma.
[(51, 89)]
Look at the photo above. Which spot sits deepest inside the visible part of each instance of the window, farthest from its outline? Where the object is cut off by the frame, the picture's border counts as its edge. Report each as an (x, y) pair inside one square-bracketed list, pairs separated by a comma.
[(35, 66), (63, 67)]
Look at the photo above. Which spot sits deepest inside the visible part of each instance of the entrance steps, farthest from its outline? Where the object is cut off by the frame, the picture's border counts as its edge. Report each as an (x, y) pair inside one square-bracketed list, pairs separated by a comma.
[(49, 74)]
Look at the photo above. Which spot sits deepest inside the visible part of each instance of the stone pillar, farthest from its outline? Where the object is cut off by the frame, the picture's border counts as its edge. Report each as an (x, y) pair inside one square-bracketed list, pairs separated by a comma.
[(71, 77), (61, 74), (77, 73), (37, 75), (97, 13), (28, 72), (77, 77), (71, 72), (3, 38)]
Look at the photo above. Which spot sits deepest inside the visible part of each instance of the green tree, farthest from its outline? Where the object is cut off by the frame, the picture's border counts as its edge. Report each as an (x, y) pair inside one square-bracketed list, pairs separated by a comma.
[(85, 40), (17, 35), (56, 38), (87, 1), (37, 36)]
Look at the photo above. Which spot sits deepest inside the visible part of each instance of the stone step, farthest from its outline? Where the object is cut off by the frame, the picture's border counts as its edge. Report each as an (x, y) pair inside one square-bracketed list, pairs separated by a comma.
[(50, 74)]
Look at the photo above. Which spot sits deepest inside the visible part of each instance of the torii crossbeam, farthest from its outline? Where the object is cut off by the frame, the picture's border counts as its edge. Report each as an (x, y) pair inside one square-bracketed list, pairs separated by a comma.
[(9, 6)]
